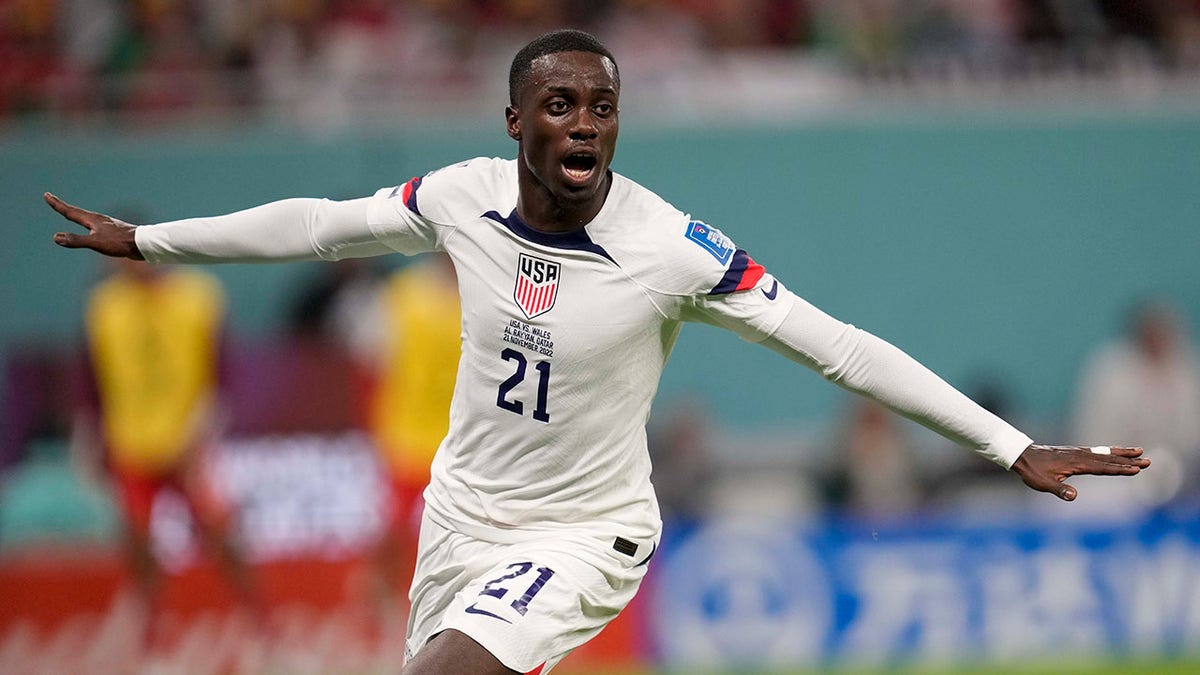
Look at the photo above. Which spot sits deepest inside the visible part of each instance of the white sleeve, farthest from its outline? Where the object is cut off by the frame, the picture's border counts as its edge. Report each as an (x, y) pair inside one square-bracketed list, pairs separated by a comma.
[(291, 229), (867, 365)]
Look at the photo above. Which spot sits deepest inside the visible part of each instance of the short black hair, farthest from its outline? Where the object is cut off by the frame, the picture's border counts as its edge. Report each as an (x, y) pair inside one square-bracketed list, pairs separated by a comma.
[(565, 40)]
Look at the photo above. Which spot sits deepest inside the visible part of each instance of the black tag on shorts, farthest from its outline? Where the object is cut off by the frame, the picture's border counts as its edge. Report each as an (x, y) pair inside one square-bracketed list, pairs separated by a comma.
[(623, 545)]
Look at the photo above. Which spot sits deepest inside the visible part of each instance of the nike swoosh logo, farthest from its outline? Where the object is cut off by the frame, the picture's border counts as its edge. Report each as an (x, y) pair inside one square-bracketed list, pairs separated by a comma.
[(475, 610), (652, 550), (774, 290), (395, 191)]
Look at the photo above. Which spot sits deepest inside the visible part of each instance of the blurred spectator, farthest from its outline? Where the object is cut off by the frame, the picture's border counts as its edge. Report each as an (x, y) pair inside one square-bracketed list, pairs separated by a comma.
[(153, 341), (1144, 390), (415, 365), (875, 477)]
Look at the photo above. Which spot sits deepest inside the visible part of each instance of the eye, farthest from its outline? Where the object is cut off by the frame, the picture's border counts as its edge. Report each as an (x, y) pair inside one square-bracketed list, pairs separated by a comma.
[(557, 107), (603, 109)]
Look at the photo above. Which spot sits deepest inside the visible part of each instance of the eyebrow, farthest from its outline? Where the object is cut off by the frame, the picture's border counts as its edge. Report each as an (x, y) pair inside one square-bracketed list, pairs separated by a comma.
[(561, 89)]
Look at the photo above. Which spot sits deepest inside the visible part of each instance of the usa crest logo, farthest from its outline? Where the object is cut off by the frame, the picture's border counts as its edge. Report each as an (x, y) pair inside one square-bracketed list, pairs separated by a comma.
[(537, 285)]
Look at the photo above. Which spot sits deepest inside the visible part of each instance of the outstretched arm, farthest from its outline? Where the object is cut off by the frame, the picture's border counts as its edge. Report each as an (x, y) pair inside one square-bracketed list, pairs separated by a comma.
[(867, 365), (1046, 467), (290, 229)]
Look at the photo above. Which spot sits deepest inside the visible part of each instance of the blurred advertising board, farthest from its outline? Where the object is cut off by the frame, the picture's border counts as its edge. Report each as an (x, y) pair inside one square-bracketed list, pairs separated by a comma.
[(764, 594), (311, 495)]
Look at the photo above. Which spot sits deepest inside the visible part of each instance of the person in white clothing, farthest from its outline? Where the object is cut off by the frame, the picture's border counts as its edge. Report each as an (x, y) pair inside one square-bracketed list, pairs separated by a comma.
[(1145, 385), (574, 284)]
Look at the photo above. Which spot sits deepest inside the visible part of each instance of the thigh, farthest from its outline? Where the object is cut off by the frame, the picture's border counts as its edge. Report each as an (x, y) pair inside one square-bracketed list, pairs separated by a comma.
[(454, 652), (137, 499), (195, 483)]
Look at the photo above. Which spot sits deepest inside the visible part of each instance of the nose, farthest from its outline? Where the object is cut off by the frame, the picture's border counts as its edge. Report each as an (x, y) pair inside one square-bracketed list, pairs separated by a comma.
[(583, 126)]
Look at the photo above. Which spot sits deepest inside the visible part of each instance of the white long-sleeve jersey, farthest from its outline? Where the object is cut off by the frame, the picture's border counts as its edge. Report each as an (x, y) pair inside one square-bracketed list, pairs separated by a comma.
[(565, 336)]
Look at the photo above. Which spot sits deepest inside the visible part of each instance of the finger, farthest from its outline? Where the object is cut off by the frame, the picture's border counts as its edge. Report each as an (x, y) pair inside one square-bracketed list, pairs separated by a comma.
[(1095, 449), (1133, 455), (1066, 493), (1109, 467), (70, 240), (1118, 459), (1087, 458), (72, 213)]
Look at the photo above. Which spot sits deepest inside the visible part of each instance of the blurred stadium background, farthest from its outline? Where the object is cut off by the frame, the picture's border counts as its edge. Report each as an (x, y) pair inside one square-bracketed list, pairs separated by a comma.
[(992, 185)]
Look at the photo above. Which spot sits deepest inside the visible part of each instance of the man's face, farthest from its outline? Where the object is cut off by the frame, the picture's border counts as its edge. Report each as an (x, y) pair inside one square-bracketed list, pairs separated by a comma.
[(566, 123)]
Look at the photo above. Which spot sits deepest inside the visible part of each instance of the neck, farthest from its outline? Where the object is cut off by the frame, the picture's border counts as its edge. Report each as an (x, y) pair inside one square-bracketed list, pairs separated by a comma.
[(545, 212)]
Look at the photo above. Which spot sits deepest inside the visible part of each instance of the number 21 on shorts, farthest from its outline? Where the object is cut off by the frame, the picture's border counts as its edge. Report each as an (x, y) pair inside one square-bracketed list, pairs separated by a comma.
[(496, 593)]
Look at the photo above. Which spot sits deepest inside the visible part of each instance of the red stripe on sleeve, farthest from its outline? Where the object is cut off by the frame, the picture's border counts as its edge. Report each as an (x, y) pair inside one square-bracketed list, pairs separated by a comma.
[(750, 277), (410, 194)]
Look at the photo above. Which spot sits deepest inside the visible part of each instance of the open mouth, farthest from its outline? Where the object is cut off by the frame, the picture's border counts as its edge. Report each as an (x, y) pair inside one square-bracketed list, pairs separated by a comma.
[(579, 166)]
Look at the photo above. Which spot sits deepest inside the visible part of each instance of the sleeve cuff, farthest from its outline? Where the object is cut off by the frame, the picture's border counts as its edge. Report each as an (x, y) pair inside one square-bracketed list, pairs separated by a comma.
[(1008, 446)]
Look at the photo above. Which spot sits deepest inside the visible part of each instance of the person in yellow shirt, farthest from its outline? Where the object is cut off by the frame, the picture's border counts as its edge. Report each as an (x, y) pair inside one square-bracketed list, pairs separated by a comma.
[(153, 342), (409, 407)]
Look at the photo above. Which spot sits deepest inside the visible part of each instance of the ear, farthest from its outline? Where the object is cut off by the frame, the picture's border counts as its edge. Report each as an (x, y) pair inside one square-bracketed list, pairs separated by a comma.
[(512, 118)]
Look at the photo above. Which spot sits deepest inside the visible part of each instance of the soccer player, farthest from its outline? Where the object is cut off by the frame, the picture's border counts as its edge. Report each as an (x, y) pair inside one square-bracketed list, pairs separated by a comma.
[(574, 282)]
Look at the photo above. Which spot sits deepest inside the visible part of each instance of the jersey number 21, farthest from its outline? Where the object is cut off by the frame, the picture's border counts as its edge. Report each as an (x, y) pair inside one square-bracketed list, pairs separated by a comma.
[(515, 405)]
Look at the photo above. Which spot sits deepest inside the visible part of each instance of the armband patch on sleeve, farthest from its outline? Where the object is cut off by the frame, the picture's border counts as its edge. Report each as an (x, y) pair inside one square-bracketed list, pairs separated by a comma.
[(711, 239), (408, 192)]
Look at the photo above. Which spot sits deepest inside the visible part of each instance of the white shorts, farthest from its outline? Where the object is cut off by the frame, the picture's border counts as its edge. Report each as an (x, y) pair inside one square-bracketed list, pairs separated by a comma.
[(527, 603)]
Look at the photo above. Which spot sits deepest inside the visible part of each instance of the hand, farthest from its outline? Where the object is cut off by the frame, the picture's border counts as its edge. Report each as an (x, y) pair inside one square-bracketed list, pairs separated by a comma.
[(105, 235), (1045, 467)]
